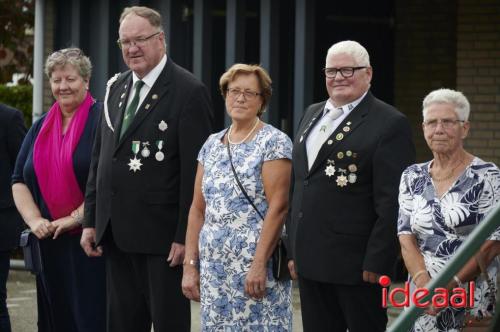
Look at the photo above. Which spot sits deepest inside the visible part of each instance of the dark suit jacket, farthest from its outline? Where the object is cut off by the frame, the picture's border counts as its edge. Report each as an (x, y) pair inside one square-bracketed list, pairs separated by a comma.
[(336, 232), (12, 133), (148, 209)]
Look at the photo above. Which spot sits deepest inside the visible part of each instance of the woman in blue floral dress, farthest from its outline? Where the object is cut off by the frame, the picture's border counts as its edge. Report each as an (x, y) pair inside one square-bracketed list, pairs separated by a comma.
[(441, 202), (226, 238)]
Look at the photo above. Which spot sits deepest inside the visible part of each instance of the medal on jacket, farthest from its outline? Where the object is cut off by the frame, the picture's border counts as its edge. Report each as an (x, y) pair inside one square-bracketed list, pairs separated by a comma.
[(145, 150), (159, 155), (135, 164), (342, 179), (330, 168)]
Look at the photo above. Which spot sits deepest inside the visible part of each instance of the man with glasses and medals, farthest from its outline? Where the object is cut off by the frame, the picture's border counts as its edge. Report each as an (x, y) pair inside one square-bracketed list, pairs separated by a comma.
[(156, 118), (348, 156)]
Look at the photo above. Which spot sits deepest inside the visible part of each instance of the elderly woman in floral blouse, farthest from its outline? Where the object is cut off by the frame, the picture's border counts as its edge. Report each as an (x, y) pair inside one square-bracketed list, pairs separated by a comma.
[(441, 202), (228, 241)]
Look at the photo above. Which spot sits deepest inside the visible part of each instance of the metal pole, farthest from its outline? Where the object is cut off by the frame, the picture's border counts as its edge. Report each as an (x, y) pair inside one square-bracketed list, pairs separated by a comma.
[(37, 110)]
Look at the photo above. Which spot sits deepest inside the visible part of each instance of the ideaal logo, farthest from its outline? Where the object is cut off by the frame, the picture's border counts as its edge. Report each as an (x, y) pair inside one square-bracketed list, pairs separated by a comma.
[(441, 298)]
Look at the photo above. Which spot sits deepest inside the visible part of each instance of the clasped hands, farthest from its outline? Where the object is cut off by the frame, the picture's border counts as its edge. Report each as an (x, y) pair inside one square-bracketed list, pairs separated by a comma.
[(43, 228)]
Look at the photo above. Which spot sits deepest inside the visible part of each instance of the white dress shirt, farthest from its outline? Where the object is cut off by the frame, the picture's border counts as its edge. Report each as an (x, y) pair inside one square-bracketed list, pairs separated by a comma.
[(149, 80)]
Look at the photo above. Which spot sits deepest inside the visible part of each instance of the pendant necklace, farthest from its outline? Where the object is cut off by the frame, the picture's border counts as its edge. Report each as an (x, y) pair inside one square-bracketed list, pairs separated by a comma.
[(449, 175)]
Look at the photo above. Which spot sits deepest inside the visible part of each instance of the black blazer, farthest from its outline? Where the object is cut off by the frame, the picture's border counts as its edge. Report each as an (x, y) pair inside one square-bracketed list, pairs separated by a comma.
[(12, 133), (336, 231), (148, 209)]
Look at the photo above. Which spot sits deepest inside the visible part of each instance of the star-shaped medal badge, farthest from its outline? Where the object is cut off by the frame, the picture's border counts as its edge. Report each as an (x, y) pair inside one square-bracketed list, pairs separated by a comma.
[(135, 164), (341, 181), (330, 170)]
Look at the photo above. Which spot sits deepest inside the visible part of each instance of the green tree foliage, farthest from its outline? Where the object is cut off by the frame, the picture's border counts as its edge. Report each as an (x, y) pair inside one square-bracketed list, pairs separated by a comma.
[(16, 38), (20, 97)]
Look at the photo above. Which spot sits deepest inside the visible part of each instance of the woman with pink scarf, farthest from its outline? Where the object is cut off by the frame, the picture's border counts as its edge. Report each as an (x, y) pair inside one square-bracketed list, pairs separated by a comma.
[(48, 188)]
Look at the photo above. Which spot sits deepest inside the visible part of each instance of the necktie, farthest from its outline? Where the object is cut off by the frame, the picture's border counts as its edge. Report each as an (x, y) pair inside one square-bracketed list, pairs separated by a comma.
[(132, 108), (325, 129)]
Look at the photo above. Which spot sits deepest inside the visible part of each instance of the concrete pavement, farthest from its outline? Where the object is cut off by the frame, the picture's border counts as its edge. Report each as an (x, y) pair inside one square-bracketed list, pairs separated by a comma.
[(22, 305)]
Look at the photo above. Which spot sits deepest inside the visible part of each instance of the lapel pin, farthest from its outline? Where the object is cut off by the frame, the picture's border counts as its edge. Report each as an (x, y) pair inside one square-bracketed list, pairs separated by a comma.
[(125, 87), (120, 104), (162, 125), (346, 129), (147, 106), (330, 142), (340, 155), (339, 136), (348, 123), (348, 153), (155, 96), (122, 96), (352, 168), (301, 139)]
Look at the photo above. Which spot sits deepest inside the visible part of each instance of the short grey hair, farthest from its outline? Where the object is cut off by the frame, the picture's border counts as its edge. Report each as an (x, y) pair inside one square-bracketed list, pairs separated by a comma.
[(151, 15), (352, 48), (69, 56), (447, 96)]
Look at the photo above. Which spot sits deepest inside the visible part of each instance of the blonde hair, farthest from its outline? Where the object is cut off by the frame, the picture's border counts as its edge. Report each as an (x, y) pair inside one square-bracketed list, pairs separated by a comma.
[(245, 69)]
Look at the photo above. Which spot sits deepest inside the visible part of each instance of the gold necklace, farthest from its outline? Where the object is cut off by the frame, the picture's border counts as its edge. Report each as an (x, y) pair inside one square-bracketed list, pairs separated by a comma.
[(447, 177), (246, 137)]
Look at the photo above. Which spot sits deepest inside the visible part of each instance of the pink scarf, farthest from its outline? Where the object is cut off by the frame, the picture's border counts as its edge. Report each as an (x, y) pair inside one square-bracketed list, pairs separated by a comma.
[(53, 159)]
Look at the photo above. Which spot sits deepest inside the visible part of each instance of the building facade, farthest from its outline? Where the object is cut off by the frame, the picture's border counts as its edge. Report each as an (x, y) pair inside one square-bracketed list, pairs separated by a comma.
[(415, 46)]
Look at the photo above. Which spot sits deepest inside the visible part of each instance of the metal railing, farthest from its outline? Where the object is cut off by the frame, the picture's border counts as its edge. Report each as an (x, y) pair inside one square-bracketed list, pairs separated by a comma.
[(405, 321)]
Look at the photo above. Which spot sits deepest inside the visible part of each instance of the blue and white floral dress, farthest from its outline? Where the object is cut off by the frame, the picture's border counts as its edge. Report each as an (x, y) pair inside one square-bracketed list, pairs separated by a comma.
[(441, 225), (230, 233)]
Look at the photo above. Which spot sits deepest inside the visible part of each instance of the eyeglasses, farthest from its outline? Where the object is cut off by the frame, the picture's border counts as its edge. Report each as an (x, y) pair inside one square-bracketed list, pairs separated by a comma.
[(445, 123), (346, 72), (139, 42), (249, 95)]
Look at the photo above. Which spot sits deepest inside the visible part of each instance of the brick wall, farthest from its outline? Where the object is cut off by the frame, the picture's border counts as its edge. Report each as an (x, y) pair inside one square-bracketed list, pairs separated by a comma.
[(478, 73), (425, 58)]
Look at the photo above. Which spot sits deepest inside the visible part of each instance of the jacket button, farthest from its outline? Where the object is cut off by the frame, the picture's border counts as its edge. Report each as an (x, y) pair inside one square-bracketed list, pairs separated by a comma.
[(300, 215), (306, 182), (114, 159)]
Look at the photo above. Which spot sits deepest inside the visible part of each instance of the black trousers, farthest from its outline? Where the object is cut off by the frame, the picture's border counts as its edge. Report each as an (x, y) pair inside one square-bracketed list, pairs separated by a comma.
[(4, 273), (336, 308), (142, 290)]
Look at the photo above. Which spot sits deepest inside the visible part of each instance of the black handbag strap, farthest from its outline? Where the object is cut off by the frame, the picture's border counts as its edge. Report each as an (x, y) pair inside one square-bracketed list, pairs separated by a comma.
[(239, 183)]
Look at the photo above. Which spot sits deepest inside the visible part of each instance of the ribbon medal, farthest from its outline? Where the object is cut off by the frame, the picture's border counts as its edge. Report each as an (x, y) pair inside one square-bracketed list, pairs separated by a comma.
[(159, 155), (135, 164), (330, 168), (145, 150)]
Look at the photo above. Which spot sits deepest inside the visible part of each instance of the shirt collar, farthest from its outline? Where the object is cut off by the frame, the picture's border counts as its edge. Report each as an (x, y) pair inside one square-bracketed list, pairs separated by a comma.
[(152, 76), (347, 108)]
